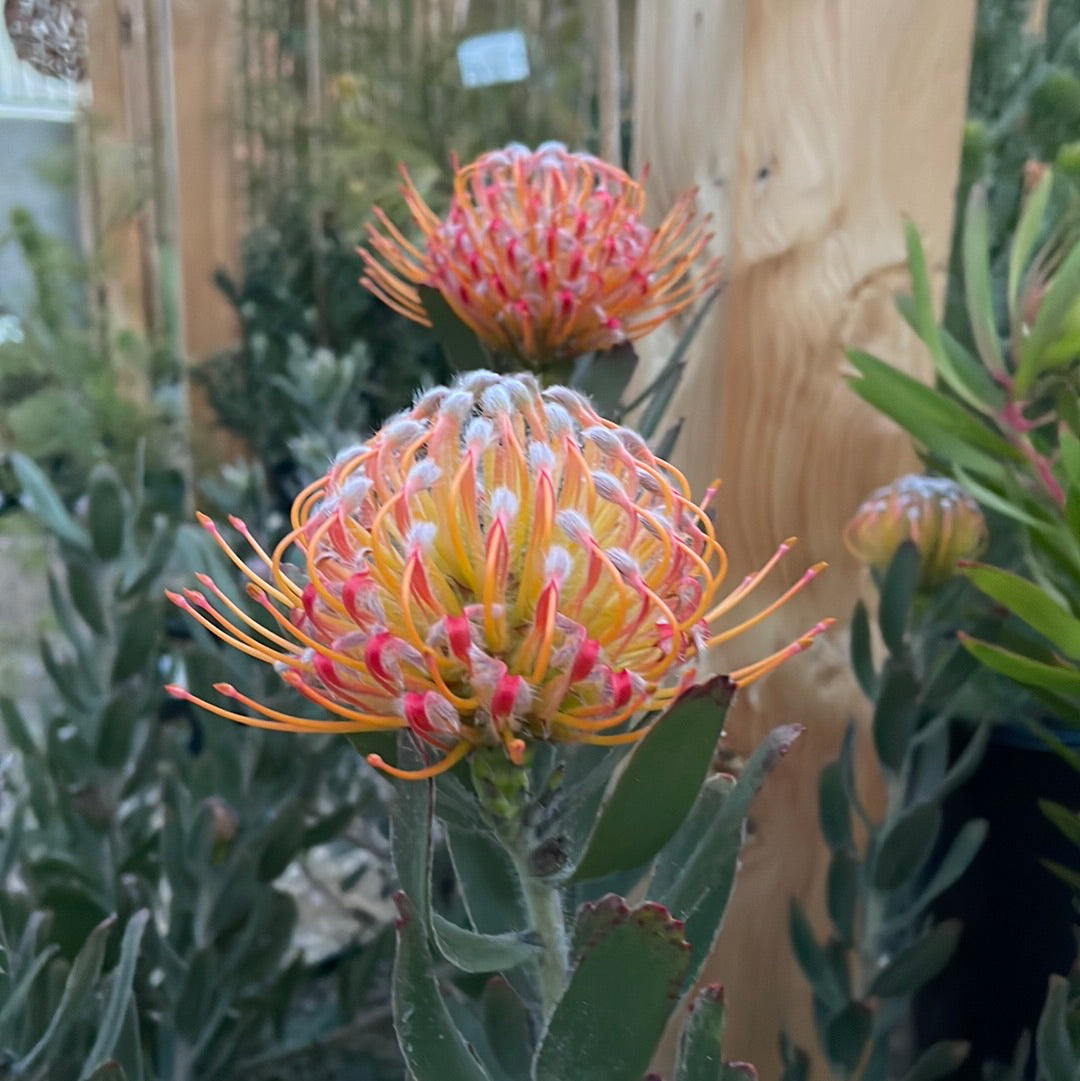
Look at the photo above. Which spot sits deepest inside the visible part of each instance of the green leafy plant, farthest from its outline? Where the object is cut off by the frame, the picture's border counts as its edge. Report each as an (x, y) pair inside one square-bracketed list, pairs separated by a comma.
[(60, 398), (883, 945), (146, 928), (1003, 422)]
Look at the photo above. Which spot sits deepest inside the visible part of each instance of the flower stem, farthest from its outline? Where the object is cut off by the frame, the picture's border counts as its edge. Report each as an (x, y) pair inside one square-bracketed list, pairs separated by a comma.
[(544, 906)]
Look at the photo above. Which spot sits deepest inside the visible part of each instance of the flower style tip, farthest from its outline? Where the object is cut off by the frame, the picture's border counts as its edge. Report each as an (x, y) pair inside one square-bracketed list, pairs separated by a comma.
[(945, 523), (544, 254), (496, 566)]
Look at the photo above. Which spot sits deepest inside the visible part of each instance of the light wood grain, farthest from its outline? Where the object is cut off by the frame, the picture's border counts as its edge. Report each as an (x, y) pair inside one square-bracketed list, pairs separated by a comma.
[(812, 127)]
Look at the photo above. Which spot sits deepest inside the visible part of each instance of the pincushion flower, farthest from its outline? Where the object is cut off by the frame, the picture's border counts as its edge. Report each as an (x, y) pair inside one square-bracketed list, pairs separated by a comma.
[(495, 566), (943, 521), (544, 254)]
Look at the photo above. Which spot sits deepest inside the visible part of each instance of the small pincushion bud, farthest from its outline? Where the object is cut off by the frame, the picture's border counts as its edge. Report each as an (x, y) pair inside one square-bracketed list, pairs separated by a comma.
[(222, 822), (936, 513)]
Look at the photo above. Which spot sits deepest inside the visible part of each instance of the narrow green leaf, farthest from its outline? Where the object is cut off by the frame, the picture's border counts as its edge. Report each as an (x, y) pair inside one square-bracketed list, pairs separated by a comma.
[(605, 376), (471, 951), (85, 595), (1069, 446), (701, 1043), (106, 514), (15, 727), (431, 1045), (810, 956), (796, 1061), (487, 882), (969, 368), (700, 894), (862, 658), (939, 1060), (77, 993), (411, 812), (942, 425), (834, 811), (847, 1034), (628, 967), (1058, 1060), (1067, 875), (694, 881), (842, 894), (897, 594), (895, 715), (676, 858), (980, 302), (138, 575), (660, 392), (1024, 238), (195, 1002), (917, 964), (905, 845), (45, 504), (665, 445), (17, 995), (963, 850), (461, 346), (1055, 310), (652, 794), (280, 841), (508, 1027), (138, 639), (1066, 820), (116, 730), (1027, 601), (927, 320), (1024, 670), (112, 1020)]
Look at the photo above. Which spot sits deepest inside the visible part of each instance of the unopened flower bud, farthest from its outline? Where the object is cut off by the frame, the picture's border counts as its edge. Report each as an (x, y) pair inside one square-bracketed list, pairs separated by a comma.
[(222, 822), (936, 513)]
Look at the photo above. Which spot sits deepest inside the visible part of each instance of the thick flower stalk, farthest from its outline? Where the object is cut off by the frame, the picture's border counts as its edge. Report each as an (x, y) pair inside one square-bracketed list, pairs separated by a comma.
[(942, 520), (495, 566), (544, 254)]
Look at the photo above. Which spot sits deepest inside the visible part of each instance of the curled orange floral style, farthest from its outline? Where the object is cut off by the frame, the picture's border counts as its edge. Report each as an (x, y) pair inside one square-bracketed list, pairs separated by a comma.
[(495, 566), (544, 254)]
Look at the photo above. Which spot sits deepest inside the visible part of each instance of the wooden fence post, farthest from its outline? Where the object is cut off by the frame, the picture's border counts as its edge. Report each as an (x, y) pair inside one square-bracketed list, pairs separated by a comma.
[(812, 128)]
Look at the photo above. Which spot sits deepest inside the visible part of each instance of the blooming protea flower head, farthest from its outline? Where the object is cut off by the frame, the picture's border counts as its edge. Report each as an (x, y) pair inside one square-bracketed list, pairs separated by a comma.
[(544, 254), (936, 513), (496, 565)]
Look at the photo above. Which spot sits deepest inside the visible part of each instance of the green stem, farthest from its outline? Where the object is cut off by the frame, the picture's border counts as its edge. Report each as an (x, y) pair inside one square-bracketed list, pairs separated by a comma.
[(544, 906)]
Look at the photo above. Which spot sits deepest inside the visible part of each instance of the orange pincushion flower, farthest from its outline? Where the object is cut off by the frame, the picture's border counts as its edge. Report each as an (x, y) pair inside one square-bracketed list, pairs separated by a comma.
[(498, 564), (544, 254)]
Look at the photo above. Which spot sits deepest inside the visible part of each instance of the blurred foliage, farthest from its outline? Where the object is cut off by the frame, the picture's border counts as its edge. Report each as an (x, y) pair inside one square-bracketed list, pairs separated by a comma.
[(144, 916), (318, 355), (885, 874), (391, 95), (60, 397), (1003, 422), (1023, 106)]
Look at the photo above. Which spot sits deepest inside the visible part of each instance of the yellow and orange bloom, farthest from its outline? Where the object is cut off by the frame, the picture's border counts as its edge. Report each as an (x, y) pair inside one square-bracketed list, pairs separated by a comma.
[(544, 254), (944, 522), (495, 566)]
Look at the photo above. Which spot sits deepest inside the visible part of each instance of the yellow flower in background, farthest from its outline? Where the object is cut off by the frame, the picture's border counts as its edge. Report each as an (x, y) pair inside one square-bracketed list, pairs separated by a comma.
[(497, 565), (544, 254), (945, 523)]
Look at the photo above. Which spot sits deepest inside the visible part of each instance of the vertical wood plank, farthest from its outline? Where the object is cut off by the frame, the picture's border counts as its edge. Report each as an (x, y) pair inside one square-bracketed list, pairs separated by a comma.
[(849, 118)]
